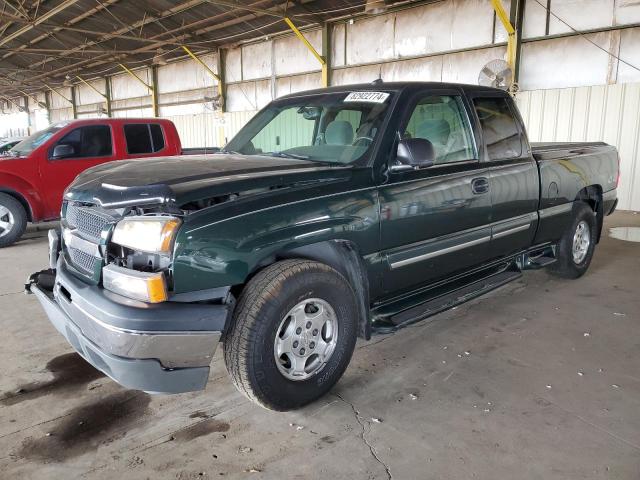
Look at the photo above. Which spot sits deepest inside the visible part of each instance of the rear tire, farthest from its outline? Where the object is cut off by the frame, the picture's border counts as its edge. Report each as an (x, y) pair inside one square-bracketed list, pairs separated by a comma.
[(13, 220), (292, 335), (576, 247)]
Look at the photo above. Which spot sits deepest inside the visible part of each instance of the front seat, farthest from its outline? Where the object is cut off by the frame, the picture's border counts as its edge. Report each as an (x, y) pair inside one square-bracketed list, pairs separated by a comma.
[(339, 132)]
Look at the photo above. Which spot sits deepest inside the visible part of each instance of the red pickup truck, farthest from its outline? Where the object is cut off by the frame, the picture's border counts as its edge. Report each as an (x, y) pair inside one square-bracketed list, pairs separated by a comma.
[(35, 173)]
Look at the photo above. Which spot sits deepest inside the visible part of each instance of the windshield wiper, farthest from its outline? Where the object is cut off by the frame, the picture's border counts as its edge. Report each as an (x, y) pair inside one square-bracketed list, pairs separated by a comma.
[(288, 155), (230, 152)]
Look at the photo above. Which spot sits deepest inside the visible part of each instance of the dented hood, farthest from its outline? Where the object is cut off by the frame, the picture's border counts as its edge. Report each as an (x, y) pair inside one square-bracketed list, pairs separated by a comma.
[(181, 179)]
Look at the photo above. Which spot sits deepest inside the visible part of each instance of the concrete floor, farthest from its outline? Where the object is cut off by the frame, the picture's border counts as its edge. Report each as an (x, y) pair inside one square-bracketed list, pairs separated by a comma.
[(540, 379)]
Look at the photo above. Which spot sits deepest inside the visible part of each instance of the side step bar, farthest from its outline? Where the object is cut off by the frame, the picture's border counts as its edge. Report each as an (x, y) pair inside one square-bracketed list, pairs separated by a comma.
[(440, 302)]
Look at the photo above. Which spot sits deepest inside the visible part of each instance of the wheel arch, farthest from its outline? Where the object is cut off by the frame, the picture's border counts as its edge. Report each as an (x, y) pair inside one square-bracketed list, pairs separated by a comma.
[(341, 255), (592, 196)]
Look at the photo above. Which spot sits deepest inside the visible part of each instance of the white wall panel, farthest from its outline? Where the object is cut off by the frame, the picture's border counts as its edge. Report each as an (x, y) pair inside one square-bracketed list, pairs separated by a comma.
[(57, 101), (292, 56), (125, 86), (464, 67), (564, 62), (608, 113), (424, 30), (299, 83), (241, 97), (472, 23), (61, 114), (347, 76), (536, 19), (580, 14), (233, 65), (256, 60), (370, 40), (86, 95), (187, 75), (626, 11), (630, 53), (419, 70), (338, 45)]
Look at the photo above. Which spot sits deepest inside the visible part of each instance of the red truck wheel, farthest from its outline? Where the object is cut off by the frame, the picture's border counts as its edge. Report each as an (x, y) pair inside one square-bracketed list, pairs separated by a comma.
[(13, 220), (292, 335)]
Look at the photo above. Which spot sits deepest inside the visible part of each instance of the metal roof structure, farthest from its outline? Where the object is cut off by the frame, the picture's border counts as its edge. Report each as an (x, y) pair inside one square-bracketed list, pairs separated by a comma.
[(44, 42)]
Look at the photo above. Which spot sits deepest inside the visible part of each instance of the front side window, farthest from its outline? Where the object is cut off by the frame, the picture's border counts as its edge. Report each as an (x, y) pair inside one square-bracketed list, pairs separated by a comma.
[(87, 142), (499, 128), (442, 120), (143, 138), (335, 127)]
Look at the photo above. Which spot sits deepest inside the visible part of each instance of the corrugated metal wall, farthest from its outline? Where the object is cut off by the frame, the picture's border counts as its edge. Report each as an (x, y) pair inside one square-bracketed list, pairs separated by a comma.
[(608, 113)]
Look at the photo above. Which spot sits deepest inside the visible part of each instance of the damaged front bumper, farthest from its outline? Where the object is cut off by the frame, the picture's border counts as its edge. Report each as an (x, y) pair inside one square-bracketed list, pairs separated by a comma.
[(159, 348)]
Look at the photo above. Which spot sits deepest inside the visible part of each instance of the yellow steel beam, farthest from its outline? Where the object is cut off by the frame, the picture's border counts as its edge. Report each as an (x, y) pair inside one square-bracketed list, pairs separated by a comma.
[(59, 94), (154, 98), (511, 32), (320, 58), (136, 77), (206, 67), (92, 87)]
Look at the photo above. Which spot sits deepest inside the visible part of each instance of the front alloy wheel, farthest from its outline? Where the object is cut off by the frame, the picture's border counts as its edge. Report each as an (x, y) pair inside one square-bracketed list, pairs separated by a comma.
[(306, 339), (292, 334)]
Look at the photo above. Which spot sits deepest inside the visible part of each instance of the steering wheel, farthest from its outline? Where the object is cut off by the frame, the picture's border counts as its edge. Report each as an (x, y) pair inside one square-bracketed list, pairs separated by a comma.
[(369, 141)]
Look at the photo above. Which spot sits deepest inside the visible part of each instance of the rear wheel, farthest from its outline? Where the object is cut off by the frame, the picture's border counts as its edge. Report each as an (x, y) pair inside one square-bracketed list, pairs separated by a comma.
[(576, 247), (293, 334), (13, 220)]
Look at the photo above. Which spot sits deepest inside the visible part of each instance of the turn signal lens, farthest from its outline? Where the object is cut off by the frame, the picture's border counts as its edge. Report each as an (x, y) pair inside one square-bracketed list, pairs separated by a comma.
[(144, 286)]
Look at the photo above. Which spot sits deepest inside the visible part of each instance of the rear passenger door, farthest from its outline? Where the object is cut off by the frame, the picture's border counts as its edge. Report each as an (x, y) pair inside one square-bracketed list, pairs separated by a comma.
[(513, 173), (144, 140), (435, 220)]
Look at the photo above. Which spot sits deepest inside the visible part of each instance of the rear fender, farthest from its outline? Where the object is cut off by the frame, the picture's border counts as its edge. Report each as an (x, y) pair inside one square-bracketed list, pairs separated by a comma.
[(592, 195)]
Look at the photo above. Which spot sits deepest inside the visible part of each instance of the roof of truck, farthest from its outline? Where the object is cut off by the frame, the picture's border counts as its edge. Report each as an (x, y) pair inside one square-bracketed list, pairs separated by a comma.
[(397, 86)]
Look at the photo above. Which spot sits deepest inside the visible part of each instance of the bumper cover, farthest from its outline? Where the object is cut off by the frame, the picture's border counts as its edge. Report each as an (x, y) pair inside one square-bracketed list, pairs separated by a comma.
[(161, 348)]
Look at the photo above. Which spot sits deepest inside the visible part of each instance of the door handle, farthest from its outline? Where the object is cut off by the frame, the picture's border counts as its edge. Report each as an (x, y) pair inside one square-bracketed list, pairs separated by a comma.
[(480, 185)]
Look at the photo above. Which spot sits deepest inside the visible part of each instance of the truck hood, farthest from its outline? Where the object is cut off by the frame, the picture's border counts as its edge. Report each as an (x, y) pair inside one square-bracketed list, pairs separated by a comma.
[(183, 179)]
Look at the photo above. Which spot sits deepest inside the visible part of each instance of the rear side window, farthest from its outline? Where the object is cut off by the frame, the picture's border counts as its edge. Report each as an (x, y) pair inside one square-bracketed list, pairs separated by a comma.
[(143, 138), (499, 128)]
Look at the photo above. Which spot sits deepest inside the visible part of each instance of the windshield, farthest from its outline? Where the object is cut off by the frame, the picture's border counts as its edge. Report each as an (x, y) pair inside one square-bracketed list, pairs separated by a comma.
[(332, 127), (32, 142)]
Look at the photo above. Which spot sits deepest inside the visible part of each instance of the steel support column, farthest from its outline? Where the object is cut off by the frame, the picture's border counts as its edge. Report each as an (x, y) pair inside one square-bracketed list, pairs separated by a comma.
[(107, 95)]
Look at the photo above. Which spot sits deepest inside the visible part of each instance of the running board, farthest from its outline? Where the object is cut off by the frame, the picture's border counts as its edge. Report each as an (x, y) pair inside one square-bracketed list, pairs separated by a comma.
[(387, 323)]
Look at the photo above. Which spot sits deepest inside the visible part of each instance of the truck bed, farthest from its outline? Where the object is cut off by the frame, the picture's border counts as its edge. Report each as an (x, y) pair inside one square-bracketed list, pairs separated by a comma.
[(552, 150)]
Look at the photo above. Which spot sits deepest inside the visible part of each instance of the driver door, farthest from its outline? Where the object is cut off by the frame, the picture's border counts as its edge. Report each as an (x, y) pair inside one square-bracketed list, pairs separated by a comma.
[(92, 145), (435, 220)]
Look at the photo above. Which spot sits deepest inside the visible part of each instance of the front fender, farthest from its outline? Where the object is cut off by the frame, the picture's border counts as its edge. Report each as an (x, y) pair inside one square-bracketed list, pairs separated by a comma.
[(226, 252)]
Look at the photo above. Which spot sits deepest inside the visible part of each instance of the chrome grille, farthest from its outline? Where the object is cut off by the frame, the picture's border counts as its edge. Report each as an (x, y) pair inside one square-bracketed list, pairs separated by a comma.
[(83, 260), (87, 221)]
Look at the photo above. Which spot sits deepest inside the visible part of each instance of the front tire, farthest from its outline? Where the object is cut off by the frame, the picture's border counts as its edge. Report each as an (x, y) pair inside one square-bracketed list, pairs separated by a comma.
[(293, 333), (576, 247), (13, 220)]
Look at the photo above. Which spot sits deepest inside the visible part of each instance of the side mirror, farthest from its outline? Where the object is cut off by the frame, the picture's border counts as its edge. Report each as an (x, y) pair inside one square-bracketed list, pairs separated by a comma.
[(62, 151), (414, 153)]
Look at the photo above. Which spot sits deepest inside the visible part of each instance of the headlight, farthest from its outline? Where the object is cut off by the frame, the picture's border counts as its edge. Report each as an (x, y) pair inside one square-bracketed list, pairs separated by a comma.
[(147, 234)]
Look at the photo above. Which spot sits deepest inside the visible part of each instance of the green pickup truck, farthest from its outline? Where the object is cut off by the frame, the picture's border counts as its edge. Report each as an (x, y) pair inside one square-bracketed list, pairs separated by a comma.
[(333, 214)]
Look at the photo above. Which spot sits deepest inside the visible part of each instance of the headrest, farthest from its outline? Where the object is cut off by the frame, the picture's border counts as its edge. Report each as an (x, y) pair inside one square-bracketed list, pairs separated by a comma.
[(339, 132)]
